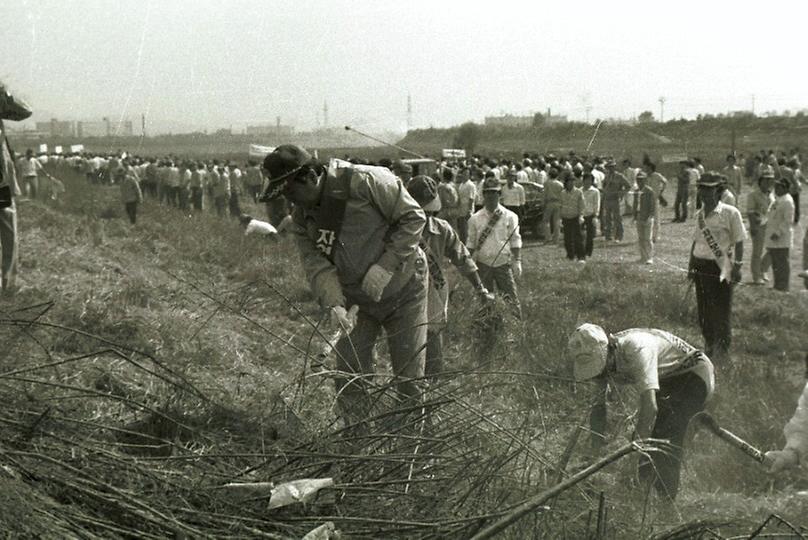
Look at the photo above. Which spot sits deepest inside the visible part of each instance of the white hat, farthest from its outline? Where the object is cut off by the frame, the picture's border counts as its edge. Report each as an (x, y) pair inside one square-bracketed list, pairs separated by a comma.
[(587, 347)]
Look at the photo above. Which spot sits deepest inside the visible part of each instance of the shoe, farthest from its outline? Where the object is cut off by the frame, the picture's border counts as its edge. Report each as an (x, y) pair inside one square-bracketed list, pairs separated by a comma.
[(618, 240), (803, 274), (758, 281), (649, 261), (581, 261), (765, 279)]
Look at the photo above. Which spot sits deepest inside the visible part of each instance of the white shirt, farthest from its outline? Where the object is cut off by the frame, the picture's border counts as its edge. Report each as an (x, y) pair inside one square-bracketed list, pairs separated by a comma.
[(591, 201), (781, 217), (796, 430), (496, 251), (257, 226), (512, 196), (726, 225), (522, 176), (599, 176), (644, 356)]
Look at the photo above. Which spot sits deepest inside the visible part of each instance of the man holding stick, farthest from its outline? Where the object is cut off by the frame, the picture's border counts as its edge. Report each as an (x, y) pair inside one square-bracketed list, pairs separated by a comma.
[(673, 379)]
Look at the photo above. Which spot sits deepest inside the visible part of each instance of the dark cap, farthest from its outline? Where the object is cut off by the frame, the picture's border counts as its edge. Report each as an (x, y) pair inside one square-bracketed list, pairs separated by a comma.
[(491, 184), (425, 192), (709, 180), (281, 165)]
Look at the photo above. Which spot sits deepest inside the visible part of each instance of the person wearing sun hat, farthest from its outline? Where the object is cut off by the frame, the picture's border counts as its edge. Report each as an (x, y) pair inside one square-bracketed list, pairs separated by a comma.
[(496, 244), (715, 262), (440, 243), (672, 378), (358, 232)]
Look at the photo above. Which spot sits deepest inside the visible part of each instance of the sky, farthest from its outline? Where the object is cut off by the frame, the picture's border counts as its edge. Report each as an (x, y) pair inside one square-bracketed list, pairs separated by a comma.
[(209, 64)]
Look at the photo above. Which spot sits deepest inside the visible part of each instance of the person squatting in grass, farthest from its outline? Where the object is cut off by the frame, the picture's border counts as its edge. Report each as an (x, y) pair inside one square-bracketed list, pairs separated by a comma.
[(440, 242), (645, 208), (673, 379), (715, 265), (496, 245), (358, 232), (15, 110)]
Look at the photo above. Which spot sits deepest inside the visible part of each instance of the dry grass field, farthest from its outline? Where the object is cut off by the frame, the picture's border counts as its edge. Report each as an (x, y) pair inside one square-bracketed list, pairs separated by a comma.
[(143, 368)]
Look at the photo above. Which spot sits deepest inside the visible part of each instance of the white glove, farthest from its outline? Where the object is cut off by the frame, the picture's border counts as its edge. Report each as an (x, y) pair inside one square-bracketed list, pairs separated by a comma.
[(345, 319), (375, 281), (779, 460), (516, 266)]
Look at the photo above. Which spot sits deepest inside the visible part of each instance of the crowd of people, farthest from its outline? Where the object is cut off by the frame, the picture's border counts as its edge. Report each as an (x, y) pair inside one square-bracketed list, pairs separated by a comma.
[(376, 243)]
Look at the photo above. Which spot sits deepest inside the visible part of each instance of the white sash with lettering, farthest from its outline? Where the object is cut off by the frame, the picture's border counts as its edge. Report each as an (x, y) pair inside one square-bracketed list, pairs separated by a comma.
[(724, 260)]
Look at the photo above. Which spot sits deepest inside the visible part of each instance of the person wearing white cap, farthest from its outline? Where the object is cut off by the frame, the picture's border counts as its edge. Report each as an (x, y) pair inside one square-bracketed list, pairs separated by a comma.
[(672, 378)]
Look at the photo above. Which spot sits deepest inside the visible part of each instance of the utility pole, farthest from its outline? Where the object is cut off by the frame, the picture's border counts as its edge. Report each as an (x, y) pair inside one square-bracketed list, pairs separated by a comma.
[(753, 104), (325, 114), (588, 109), (661, 109), (409, 112)]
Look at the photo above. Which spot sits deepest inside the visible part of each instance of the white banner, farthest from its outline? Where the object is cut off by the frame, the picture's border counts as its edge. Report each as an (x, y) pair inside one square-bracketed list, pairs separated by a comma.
[(43, 148), (453, 153), (58, 149), (260, 152), (76, 148)]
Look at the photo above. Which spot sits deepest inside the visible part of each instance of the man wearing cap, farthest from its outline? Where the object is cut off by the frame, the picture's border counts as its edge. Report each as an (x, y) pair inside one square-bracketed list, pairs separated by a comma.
[(780, 234), (715, 265), (358, 232), (15, 110), (758, 205), (440, 242), (495, 242), (645, 204), (673, 381), (615, 186)]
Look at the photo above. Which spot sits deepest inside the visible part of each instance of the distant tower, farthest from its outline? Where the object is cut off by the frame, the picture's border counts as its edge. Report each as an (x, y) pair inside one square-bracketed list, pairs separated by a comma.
[(661, 109), (325, 114), (409, 112), (143, 125)]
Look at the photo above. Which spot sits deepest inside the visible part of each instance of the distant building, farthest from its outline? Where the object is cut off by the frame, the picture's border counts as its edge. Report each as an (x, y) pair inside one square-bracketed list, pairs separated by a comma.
[(276, 129), (57, 128), (555, 119), (509, 120), (742, 114), (104, 128)]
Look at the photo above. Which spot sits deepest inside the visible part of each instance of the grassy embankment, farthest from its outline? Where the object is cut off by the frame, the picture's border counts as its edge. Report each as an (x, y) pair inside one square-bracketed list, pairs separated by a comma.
[(145, 367)]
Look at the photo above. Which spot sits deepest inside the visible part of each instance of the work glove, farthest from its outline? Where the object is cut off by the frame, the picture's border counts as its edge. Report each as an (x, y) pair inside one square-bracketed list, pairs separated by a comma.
[(776, 461), (344, 318), (375, 281), (516, 266), (486, 297)]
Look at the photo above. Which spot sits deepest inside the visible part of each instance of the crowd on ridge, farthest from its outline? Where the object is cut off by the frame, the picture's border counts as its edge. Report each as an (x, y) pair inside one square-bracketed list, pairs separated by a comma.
[(375, 241)]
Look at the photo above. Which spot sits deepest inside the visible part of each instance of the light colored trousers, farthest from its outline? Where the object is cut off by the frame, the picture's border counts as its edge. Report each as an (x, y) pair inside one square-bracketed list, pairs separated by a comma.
[(8, 245), (759, 262), (645, 238)]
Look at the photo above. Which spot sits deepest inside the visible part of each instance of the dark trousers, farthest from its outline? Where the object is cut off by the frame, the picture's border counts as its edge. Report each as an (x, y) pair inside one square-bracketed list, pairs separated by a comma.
[(573, 241), (463, 228), (234, 204), (796, 198), (131, 211), (501, 279), (781, 269), (678, 400), (589, 233), (714, 305), (196, 198), (680, 206)]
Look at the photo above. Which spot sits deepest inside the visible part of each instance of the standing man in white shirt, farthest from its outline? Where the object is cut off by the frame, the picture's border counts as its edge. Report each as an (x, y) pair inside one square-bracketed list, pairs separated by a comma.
[(658, 183), (780, 234), (715, 265), (495, 243), (513, 194), (591, 212), (734, 176), (466, 194)]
